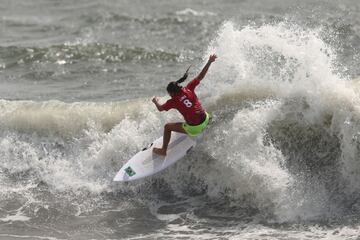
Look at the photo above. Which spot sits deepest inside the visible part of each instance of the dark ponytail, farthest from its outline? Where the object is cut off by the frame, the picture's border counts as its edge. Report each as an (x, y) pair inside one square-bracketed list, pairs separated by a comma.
[(174, 87), (182, 79)]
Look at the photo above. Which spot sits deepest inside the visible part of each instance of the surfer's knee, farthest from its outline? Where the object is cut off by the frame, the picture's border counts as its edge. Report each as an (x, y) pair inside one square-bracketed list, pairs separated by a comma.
[(167, 127), (170, 127)]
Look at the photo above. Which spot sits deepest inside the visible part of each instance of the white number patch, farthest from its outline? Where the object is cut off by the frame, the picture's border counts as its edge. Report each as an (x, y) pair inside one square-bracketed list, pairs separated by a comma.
[(187, 103)]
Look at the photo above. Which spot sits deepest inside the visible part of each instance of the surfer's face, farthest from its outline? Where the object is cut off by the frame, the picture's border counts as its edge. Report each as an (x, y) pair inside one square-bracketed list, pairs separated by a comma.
[(171, 94)]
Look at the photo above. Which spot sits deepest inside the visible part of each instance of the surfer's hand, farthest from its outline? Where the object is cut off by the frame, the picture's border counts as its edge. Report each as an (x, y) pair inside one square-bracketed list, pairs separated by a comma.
[(157, 104), (212, 58), (155, 100)]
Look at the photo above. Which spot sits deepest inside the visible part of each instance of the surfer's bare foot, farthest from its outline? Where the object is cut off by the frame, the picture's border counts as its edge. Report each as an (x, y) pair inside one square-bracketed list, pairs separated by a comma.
[(159, 151)]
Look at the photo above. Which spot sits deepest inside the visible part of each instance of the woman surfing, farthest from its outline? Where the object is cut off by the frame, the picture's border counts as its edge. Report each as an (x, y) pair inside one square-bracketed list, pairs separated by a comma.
[(186, 102)]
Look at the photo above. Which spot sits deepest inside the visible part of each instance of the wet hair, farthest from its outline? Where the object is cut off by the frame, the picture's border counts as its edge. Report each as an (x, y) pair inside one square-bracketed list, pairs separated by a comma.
[(174, 87)]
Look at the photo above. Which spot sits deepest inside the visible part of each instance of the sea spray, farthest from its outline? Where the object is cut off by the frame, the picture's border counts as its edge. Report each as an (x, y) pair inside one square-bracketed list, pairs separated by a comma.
[(272, 90), (294, 67)]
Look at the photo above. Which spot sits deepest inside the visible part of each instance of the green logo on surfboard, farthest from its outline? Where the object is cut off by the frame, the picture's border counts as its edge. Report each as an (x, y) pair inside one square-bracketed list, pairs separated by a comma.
[(129, 171)]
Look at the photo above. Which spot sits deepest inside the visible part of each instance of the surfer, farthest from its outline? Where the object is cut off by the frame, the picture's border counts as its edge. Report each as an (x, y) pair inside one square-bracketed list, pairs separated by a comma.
[(186, 102)]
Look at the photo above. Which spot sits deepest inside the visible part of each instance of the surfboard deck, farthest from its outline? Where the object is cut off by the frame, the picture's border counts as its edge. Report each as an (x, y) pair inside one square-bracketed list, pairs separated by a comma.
[(146, 163)]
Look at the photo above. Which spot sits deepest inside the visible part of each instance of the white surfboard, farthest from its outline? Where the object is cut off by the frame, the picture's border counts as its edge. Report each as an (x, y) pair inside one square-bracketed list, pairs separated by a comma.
[(146, 163)]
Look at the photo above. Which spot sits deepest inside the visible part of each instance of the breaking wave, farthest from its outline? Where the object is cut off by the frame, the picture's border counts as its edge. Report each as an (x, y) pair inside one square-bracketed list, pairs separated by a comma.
[(283, 143)]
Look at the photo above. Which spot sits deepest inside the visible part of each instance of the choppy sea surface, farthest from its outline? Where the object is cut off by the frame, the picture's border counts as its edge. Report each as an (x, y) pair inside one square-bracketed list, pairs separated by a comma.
[(280, 159)]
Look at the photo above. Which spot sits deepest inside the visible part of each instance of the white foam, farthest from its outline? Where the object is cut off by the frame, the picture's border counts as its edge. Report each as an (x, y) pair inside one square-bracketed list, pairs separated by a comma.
[(12, 218), (55, 117), (190, 11), (282, 62), (77, 146)]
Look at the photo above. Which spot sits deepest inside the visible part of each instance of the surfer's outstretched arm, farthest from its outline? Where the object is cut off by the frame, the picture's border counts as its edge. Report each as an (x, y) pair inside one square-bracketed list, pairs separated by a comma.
[(157, 104), (206, 67)]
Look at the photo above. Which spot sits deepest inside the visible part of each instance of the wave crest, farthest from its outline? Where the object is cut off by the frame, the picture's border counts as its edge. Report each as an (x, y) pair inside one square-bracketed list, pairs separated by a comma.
[(70, 54)]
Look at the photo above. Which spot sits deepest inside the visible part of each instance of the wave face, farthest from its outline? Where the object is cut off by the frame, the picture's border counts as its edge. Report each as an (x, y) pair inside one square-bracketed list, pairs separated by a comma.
[(283, 145), (300, 137), (284, 137)]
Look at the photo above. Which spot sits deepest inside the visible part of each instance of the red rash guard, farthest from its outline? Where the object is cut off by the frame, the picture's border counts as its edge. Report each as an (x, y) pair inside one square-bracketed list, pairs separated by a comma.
[(187, 103)]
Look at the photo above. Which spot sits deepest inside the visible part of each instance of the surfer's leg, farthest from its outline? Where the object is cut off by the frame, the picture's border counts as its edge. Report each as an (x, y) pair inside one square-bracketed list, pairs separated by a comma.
[(168, 128)]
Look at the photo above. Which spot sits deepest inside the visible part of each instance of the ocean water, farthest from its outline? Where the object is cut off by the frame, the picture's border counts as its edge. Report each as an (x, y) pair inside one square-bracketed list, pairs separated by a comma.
[(280, 159)]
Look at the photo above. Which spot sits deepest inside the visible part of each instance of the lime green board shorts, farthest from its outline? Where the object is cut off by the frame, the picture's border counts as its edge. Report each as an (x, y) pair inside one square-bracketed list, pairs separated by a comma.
[(195, 130)]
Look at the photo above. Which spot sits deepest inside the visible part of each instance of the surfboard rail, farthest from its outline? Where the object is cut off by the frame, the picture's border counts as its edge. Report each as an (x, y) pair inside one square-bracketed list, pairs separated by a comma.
[(146, 163)]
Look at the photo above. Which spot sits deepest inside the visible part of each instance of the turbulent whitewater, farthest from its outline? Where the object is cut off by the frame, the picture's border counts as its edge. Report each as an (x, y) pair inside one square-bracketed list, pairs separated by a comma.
[(279, 160)]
